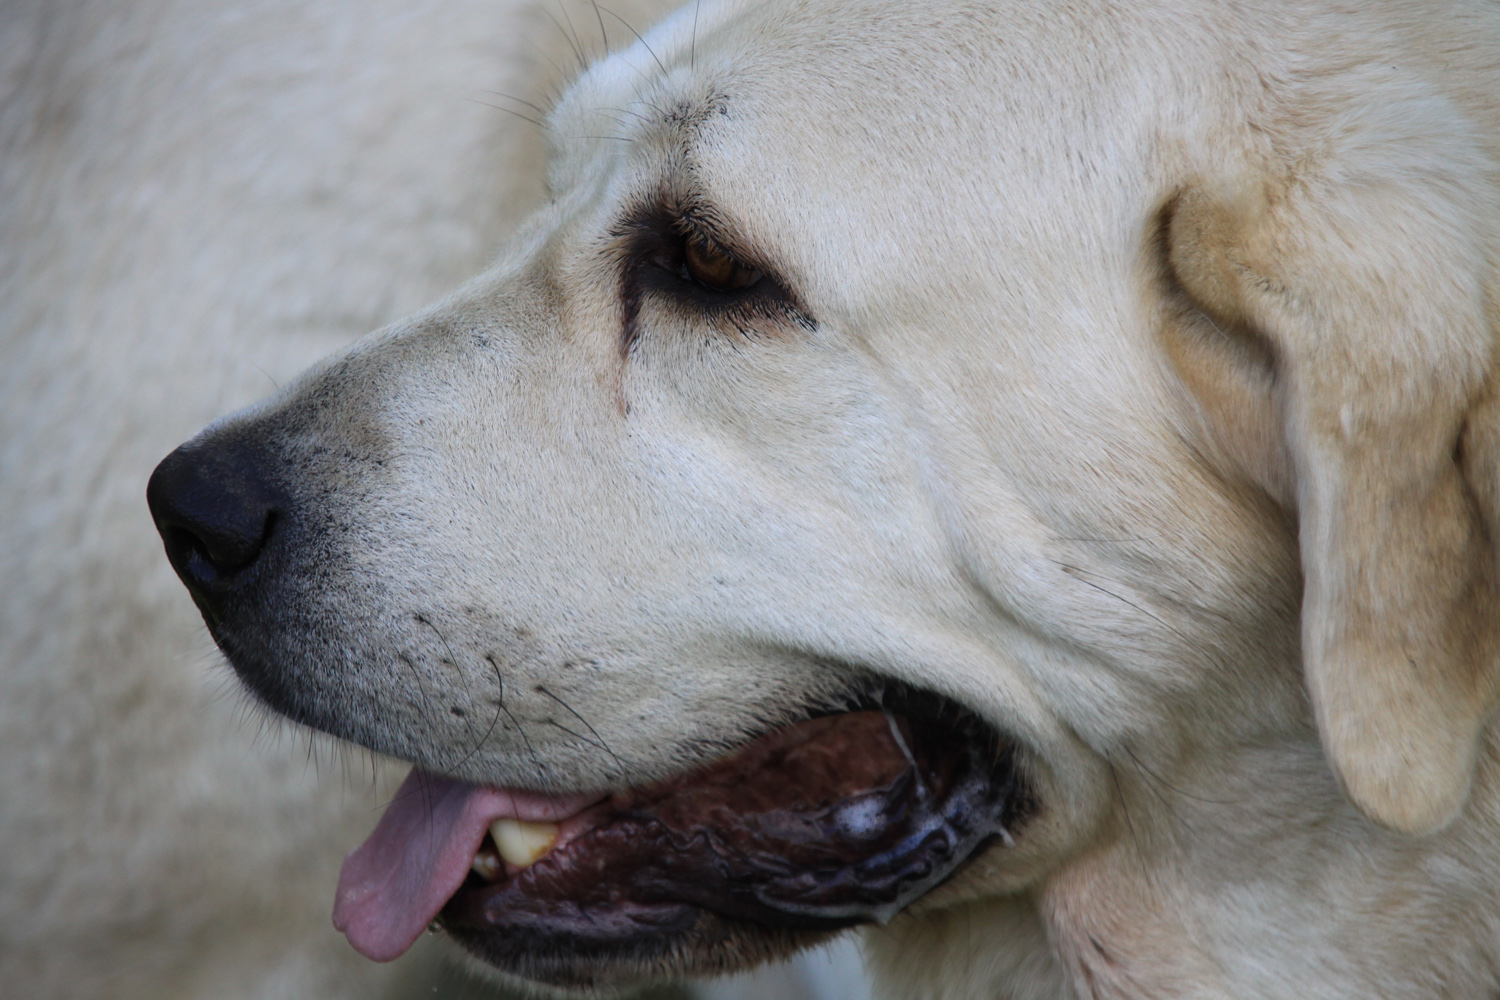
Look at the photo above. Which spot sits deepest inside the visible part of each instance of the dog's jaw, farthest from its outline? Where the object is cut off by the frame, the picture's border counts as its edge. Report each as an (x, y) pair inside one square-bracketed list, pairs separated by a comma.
[(839, 820)]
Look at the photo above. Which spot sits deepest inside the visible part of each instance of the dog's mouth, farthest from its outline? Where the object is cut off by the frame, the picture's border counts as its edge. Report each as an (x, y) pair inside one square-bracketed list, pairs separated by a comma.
[(837, 820)]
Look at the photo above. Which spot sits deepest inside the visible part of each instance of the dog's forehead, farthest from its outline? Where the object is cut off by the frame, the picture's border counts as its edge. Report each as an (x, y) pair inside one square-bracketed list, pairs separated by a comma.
[(854, 141)]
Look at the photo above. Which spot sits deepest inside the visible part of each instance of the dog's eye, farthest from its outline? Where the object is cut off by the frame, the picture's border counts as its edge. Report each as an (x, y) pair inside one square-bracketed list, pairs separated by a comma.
[(713, 268)]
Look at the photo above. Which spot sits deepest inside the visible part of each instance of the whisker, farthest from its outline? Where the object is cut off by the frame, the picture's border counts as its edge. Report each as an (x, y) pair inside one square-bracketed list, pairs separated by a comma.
[(643, 119), (590, 728), (512, 97), (575, 734), (582, 63), (499, 701), (602, 33), (1170, 787), (509, 111), (541, 771), (576, 36), (1140, 851), (637, 34), (618, 121), (416, 675), (693, 48), (558, 72), (463, 678), (1077, 574)]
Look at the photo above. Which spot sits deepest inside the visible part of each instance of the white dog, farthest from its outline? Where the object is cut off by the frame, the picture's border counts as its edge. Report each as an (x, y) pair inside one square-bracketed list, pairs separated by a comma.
[(1023, 476), (198, 198)]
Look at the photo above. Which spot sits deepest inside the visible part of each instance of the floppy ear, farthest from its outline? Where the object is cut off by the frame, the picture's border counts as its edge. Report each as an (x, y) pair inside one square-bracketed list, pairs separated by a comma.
[(1369, 269)]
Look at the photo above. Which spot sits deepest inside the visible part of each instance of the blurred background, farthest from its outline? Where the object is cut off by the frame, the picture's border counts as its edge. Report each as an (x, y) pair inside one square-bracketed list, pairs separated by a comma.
[(198, 199)]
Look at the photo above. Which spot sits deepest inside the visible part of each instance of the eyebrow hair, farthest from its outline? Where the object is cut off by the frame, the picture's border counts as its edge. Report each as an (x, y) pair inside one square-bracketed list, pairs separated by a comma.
[(684, 196)]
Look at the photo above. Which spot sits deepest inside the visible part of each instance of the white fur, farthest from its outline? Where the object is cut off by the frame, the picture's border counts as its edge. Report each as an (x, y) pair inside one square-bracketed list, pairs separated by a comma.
[(196, 200), (1108, 300)]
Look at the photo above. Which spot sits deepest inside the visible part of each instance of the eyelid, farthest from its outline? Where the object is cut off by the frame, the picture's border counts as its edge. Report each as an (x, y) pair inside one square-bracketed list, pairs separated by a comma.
[(692, 226), (709, 265), (651, 244)]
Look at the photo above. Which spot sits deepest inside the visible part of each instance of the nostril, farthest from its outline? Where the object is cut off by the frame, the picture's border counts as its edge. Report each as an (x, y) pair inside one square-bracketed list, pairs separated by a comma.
[(220, 553), (213, 509)]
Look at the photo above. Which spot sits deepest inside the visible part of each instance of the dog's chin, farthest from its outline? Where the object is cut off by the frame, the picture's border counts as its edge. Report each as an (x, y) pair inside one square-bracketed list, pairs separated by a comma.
[(708, 946), (839, 820)]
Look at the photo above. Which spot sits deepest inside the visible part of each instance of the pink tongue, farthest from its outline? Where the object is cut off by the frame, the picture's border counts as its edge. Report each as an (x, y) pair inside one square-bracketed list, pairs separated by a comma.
[(396, 881)]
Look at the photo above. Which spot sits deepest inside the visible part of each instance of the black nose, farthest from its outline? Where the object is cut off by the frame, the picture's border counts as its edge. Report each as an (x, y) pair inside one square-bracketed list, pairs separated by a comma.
[(215, 510)]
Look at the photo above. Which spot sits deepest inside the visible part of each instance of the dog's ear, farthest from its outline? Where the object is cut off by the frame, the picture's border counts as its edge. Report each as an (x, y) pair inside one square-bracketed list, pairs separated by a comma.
[(1368, 267)]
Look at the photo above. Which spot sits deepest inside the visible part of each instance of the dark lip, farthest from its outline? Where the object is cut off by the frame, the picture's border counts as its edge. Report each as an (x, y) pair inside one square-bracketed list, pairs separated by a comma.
[(649, 892)]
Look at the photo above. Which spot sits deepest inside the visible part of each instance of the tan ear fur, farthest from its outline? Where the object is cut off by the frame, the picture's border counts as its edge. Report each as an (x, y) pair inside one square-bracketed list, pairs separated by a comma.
[(1368, 263)]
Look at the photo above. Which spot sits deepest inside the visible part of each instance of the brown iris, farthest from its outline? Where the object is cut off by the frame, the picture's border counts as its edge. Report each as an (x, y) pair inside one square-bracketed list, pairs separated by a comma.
[(715, 269)]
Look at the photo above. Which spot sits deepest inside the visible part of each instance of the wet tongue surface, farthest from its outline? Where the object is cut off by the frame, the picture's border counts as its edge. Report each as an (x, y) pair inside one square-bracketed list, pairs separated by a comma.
[(394, 884)]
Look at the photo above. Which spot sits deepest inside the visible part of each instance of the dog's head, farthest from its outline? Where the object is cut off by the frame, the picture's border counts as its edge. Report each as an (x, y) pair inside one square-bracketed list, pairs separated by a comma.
[(934, 407)]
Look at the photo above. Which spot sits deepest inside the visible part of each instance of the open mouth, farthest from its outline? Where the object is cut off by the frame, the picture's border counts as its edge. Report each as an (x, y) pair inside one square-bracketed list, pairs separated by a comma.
[(837, 820)]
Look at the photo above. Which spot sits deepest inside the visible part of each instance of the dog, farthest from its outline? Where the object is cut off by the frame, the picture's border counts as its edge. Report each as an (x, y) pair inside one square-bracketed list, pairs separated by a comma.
[(197, 201), (1022, 479)]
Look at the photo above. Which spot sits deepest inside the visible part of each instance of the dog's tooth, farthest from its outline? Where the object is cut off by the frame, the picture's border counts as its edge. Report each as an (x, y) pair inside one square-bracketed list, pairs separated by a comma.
[(487, 865), (521, 843)]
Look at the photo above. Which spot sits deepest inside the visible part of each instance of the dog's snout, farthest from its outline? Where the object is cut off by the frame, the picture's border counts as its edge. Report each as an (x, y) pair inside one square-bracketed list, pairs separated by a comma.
[(215, 511)]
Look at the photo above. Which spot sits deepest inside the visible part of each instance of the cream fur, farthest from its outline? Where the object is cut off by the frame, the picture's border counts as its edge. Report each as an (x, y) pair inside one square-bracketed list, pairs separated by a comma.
[(197, 199), (1138, 394)]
